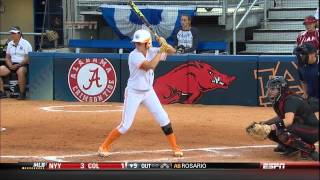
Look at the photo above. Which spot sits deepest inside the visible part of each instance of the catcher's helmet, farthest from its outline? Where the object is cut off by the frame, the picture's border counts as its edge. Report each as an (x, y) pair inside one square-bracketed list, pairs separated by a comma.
[(276, 83)]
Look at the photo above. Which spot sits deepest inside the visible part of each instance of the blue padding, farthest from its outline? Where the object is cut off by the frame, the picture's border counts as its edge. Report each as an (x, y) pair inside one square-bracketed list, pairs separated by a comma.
[(125, 44), (77, 43), (206, 45), (273, 58), (87, 55), (225, 58)]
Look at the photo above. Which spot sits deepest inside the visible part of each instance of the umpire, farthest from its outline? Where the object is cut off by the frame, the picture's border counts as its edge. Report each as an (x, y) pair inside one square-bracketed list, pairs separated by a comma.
[(308, 70)]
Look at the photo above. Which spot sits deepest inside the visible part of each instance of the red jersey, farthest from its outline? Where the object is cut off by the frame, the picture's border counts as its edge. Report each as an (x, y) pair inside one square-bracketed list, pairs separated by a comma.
[(308, 36)]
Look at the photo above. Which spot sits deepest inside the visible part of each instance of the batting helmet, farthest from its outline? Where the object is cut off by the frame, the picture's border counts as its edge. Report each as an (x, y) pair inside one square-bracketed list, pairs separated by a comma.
[(309, 20), (142, 36), (276, 83)]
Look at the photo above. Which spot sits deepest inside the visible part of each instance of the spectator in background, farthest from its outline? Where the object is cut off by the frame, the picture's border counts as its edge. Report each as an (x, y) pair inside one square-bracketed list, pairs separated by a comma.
[(186, 38), (311, 34), (16, 60), (308, 69)]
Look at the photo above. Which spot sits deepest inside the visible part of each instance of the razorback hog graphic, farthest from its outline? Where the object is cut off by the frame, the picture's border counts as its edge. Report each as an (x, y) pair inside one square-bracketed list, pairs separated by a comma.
[(187, 82)]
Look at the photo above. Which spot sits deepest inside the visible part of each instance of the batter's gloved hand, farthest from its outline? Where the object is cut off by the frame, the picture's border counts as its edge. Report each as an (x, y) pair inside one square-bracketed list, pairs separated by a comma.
[(258, 131), (164, 48), (162, 41)]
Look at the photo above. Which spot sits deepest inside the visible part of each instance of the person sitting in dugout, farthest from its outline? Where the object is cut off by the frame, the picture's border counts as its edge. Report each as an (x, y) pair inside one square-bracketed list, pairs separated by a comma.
[(17, 61)]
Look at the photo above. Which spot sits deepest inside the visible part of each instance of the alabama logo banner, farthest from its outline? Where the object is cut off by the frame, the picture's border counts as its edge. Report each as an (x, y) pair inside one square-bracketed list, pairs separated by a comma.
[(164, 19)]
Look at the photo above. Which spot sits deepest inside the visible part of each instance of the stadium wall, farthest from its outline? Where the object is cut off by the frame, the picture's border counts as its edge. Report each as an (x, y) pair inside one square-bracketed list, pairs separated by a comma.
[(191, 79)]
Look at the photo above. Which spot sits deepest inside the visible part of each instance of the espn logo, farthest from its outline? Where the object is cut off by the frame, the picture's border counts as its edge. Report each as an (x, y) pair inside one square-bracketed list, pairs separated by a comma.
[(273, 166)]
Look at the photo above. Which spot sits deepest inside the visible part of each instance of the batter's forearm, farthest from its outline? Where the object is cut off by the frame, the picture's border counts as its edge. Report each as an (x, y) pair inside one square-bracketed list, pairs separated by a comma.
[(171, 50), (151, 64)]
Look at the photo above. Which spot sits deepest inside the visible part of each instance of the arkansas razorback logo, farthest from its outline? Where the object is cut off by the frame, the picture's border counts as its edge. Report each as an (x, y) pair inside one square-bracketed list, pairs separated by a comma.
[(187, 82)]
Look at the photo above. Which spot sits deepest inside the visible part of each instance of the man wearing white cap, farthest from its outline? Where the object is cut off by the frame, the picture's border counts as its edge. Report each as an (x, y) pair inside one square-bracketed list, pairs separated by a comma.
[(16, 61)]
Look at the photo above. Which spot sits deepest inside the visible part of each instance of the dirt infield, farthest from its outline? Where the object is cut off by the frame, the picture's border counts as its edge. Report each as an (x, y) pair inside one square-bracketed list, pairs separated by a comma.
[(65, 131)]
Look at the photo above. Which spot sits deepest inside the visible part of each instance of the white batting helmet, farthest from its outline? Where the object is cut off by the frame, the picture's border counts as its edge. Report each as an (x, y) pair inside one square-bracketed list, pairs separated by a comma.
[(142, 36)]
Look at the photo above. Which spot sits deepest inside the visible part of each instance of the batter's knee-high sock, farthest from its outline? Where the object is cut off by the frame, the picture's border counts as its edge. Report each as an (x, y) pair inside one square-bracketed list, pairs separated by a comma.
[(172, 141), (113, 135)]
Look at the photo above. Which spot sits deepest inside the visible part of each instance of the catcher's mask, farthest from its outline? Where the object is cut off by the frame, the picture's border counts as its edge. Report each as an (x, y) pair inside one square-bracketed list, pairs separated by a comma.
[(275, 88)]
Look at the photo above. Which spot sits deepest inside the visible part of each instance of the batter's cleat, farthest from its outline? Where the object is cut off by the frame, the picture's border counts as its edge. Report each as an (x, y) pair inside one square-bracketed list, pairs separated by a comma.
[(103, 152), (177, 152), (2, 129)]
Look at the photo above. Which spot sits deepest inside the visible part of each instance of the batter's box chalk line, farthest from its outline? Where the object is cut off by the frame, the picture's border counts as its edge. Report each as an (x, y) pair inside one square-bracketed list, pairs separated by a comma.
[(62, 108), (211, 150)]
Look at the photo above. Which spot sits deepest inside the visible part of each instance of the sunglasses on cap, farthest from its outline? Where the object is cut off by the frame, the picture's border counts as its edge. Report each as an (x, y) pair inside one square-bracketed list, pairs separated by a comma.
[(15, 30)]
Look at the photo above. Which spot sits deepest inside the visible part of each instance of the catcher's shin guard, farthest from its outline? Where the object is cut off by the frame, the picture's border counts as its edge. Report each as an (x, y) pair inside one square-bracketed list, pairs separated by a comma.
[(294, 141), (282, 149)]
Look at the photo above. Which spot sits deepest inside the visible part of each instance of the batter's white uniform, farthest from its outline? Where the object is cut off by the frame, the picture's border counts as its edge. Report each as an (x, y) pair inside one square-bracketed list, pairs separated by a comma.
[(140, 90)]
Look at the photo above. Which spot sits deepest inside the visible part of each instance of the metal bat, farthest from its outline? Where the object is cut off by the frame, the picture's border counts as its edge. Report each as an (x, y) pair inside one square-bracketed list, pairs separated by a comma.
[(137, 11)]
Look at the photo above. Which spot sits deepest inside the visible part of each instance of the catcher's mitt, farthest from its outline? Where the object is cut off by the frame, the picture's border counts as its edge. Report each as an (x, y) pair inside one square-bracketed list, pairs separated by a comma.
[(258, 131)]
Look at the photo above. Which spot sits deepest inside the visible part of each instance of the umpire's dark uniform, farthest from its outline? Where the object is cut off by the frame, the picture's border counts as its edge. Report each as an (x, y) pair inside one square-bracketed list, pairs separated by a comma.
[(309, 74)]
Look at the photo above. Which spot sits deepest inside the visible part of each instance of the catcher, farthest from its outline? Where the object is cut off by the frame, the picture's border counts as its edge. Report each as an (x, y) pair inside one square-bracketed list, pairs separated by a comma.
[(295, 128)]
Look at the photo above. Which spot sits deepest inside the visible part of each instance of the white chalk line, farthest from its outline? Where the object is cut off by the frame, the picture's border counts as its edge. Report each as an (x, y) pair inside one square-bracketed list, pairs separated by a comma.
[(195, 157), (58, 108), (59, 158)]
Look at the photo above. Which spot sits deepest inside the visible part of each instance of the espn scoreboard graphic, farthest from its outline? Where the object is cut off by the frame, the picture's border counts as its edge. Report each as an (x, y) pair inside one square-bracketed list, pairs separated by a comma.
[(48, 166)]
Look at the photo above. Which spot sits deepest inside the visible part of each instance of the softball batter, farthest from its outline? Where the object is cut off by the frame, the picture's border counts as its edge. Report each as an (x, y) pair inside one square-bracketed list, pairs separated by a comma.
[(142, 62)]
